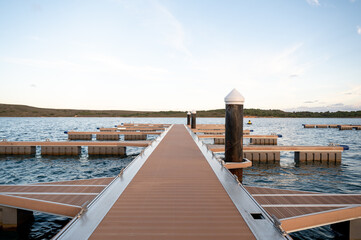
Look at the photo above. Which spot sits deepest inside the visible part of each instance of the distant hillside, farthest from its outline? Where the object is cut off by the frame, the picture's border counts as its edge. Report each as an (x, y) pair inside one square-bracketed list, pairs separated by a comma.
[(10, 110)]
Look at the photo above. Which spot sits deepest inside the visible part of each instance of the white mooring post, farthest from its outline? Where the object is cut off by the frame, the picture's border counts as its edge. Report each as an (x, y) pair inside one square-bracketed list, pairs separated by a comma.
[(234, 130)]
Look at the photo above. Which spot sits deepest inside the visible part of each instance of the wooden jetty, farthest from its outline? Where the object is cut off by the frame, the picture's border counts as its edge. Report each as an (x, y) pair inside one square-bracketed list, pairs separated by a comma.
[(176, 189), (147, 125), (130, 129), (171, 195), (340, 127), (110, 136), (301, 210), (69, 148), (331, 154), (254, 139)]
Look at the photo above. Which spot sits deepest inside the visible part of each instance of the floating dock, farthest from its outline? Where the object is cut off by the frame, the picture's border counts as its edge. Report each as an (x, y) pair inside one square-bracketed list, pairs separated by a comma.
[(69, 148), (254, 139), (340, 127), (171, 195), (176, 189), (330, 154), (110, 136)]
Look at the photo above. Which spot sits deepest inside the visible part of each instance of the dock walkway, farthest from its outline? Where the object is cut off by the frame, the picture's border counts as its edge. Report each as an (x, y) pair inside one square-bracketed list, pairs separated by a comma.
[(176, 189), (176, 195)]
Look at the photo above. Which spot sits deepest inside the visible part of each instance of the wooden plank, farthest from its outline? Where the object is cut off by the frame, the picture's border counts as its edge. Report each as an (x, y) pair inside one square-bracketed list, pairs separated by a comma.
[(270, 148), (321, 219), (39, 205), (244, 136), (119, 133), (78, 143), (173, 197)]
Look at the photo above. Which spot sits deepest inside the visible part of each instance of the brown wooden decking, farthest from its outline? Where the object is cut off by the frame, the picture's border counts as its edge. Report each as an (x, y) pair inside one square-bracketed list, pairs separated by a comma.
[(175, 195), (220, 148), (124, 129), (77, 143), (299, 210), (61, 198), (244, 136), (119, 133)]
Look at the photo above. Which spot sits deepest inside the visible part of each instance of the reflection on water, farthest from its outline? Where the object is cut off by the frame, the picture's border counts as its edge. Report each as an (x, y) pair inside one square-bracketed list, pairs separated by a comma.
[(317, 177)]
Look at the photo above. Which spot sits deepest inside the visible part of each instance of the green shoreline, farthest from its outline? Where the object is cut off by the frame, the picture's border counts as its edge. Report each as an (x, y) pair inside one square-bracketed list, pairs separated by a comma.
[(12, 110)]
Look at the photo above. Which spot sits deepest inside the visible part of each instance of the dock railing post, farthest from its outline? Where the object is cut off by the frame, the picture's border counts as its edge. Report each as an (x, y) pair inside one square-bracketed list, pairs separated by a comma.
[(188, 118), (234, 130), (194, 116)]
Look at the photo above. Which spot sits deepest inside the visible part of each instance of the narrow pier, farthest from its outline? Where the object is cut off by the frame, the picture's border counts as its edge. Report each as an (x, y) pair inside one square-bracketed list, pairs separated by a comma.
[(176, 194)]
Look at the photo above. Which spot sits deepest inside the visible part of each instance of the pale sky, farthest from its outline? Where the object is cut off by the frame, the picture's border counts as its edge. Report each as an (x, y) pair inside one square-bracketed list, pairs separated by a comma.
[(181, 54)]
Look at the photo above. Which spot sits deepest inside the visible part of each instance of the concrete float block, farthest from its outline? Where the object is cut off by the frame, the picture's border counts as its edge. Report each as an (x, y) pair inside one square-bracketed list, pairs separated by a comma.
[(80, 136), (60, 150), (8, 150), (277, 156), (107, 137), (332, 157), (248, 155), (263, 157), (220, 141), (338, 157), (355, 229), (325, 156), (11, 218), (17, 150), (107, 150), (135, 137), (255, 156), (263, 141), (108, 130), (300, 157), (271, 156), (309, 156), (345, 128)]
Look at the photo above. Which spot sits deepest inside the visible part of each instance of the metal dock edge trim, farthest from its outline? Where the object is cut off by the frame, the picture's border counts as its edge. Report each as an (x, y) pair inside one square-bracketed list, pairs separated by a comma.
[(245, 204), (82, 227)]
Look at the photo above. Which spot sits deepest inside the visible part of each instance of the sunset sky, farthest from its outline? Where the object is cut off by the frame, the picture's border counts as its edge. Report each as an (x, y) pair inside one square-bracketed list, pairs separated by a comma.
[(181, 55)]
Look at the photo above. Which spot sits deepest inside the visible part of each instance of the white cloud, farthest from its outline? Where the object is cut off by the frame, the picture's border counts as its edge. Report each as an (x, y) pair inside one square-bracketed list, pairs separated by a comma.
[(313, 2), (155, 17), (174, 31), (359, 30)]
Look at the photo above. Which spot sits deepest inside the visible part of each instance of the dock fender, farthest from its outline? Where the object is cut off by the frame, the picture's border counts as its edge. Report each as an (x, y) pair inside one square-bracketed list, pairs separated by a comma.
[(345, 147)]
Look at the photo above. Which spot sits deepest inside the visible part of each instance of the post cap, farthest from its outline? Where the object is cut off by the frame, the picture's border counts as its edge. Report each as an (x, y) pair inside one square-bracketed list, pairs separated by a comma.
[(188, 113), (234, 97), (194, 111)]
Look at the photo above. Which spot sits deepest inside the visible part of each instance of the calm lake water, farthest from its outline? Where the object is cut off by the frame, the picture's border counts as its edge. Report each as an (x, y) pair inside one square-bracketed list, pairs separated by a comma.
[(343, 178)]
